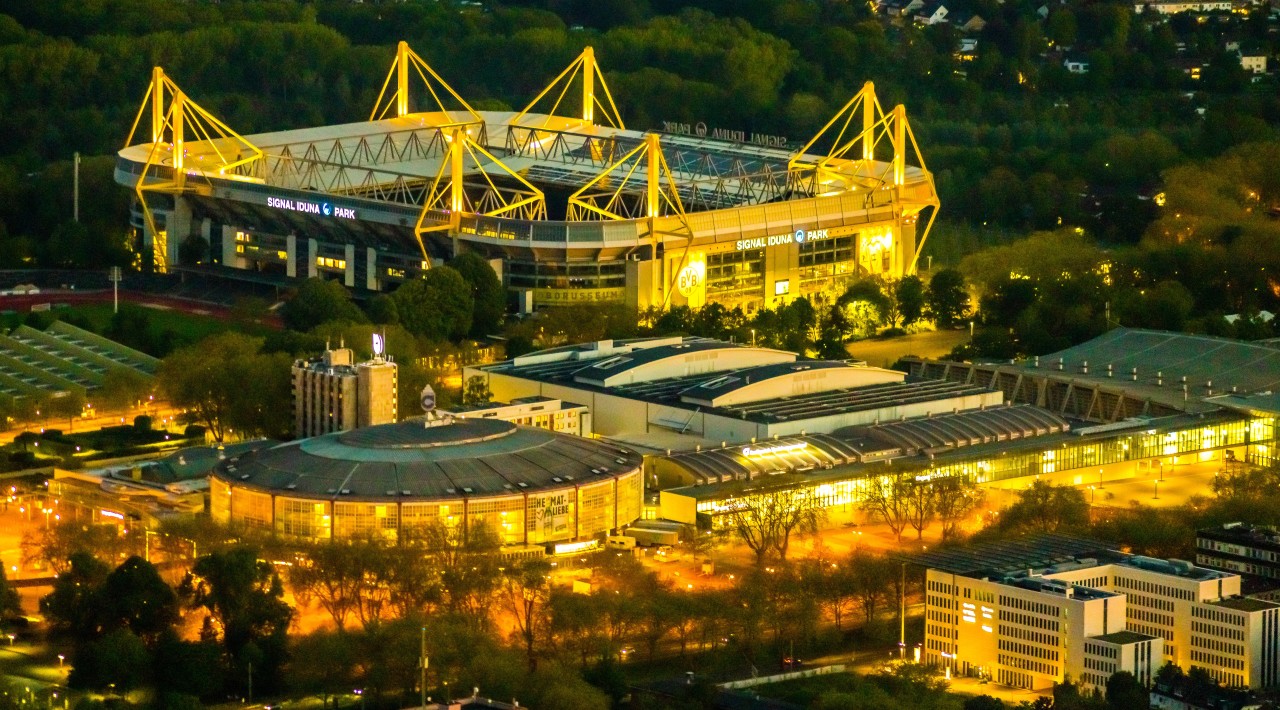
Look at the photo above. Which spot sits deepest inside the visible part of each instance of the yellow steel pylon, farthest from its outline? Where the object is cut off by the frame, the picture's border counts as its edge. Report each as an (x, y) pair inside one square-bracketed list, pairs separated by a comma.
[(406, 60), (662, 205), (586, 67), (447, 192), (851, 160), (226, 152)]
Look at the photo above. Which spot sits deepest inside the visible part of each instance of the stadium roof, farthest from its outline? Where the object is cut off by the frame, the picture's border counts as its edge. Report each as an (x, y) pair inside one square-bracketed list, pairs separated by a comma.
[(410, 461)]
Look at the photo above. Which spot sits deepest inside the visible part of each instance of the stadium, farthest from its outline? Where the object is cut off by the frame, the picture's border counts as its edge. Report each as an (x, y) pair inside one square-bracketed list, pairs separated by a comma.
[(566, 202), (531, 486)]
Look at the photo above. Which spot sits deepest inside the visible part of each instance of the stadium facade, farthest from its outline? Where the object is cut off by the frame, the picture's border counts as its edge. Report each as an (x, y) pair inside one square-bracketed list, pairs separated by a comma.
[(566, 202)]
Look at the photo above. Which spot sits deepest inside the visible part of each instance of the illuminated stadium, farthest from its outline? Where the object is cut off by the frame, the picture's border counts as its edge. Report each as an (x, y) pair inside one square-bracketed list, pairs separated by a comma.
[(566, 202), (531, 486)]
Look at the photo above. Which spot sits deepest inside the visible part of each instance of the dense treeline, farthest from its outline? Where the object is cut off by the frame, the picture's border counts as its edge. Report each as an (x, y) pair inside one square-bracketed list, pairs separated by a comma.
[(1015, 140)]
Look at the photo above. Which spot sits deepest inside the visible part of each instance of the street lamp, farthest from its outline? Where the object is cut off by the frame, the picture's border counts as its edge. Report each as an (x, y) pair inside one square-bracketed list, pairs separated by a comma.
[(11, 638), (1093, 494), (1156, 494), (61, 658)]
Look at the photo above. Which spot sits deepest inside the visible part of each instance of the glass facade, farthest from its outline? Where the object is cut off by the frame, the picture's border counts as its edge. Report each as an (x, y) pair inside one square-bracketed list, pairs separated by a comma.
[(562, 274), (565, 514), (1177, 445), (826, 264), (735, 275)]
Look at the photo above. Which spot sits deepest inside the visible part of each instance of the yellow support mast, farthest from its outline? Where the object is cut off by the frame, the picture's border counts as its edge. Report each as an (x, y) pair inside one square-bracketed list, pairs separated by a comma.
[(851, 162), (396, 104), (585, 66), (219, 151)]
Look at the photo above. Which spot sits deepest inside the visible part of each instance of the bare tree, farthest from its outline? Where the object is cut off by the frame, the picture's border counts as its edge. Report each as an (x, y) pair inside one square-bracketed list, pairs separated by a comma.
[(886, 500), (870, 578), (955, 498), (765, 520), (921, 508)]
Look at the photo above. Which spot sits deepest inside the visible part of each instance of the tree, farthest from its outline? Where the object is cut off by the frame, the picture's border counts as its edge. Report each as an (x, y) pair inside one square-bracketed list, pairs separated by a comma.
[(887, 499), (864, 307), (332, 573), (10, 601), (467, 560), (120, 660), (955, 498), (765, 520), (437, 306), (985, 702), (245, 610), (524, 593), (134, 596), (319, 301), (229, 385), (1124, 692), (946, 298), (487, 292), (124, 387), (1044, 507), (192, 667), (871, 576), (476, 391), (921, 506), (909, 293), (381, 310)]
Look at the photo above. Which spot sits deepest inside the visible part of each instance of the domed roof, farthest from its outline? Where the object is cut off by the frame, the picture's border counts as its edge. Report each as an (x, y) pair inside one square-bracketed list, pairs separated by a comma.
[(410, 460)]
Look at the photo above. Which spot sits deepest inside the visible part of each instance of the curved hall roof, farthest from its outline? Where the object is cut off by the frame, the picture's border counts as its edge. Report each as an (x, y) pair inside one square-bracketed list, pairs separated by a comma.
[(785, 379)]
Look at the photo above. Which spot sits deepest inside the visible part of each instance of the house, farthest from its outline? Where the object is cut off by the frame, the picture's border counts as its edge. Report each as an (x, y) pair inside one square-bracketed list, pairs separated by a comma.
[(968, 24), (1076, 65), (898, 8), (931, 13), (1253, 58)]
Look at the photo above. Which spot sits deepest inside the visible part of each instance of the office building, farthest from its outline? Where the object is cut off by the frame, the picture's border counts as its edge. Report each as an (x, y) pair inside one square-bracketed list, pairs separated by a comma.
[(1033, 615), (334, 393)]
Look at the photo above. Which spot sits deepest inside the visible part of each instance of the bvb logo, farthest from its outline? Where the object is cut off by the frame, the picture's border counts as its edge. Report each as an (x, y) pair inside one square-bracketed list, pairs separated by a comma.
[(690, 278)]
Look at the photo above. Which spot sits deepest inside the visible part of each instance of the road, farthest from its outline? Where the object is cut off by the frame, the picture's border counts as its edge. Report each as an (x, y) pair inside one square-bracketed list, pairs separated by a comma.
[(930, 343), (161, 415)]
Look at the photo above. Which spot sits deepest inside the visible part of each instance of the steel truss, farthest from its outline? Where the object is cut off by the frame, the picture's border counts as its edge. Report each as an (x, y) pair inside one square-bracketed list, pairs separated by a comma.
[(174, 118)]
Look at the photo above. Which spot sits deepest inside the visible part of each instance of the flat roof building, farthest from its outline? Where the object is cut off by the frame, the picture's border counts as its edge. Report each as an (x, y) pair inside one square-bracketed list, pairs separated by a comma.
[(1085, 616), (728, 421), (334, 393), (1252, 551), (540, 412)]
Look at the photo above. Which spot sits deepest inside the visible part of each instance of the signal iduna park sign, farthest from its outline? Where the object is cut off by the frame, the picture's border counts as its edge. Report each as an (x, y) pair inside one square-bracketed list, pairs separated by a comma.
[(320, 209), (800, 236)]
